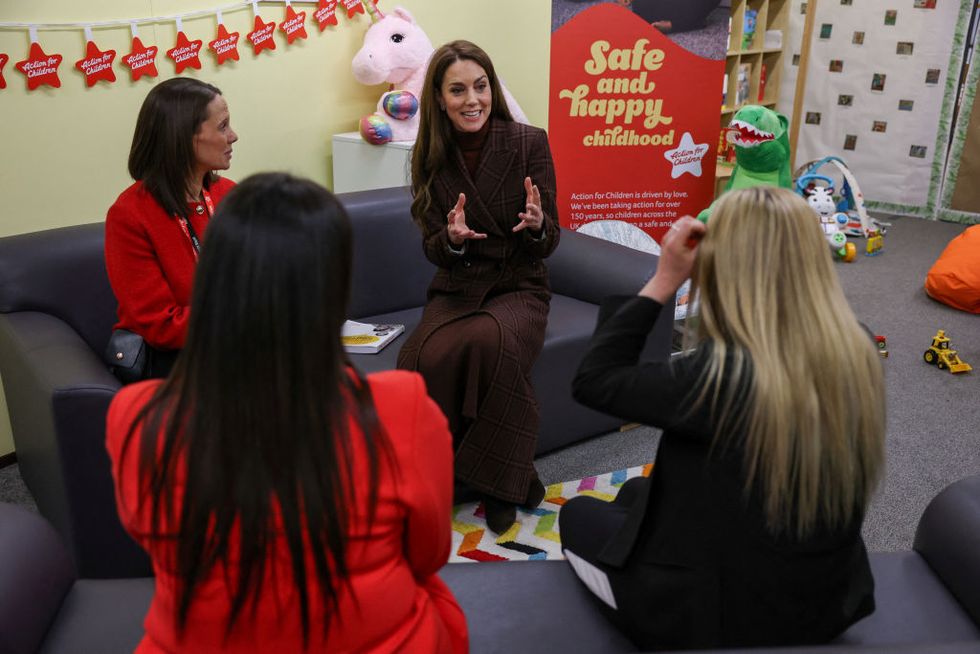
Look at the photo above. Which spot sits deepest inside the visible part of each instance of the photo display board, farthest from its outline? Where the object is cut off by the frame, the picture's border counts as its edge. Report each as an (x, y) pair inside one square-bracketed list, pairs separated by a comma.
[(881, 87)]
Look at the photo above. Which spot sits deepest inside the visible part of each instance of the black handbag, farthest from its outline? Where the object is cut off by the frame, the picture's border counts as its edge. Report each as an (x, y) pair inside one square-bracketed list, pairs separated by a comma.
[(127, 355)]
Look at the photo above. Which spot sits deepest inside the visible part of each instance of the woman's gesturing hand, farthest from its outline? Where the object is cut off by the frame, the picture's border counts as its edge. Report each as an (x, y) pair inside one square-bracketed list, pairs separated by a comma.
[(678, 250), (459, 233), (532, 216)]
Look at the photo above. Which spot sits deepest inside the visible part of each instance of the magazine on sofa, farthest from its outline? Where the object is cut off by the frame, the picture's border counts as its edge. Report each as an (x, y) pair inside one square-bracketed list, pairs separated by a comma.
[(367, 338)]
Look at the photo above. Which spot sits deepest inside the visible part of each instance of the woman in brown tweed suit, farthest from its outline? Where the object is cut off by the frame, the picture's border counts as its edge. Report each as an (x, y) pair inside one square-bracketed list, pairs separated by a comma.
[(484, 198)]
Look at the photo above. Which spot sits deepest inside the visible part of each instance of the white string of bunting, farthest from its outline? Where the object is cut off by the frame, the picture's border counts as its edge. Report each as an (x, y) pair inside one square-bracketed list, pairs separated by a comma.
[(41, 69)]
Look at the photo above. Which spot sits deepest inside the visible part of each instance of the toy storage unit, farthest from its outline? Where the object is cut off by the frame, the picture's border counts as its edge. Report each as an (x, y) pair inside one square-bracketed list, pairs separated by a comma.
[(360, 166), (753, 70)]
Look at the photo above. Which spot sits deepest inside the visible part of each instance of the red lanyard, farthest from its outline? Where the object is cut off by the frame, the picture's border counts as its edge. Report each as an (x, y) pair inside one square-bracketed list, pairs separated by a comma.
[(188, 229)]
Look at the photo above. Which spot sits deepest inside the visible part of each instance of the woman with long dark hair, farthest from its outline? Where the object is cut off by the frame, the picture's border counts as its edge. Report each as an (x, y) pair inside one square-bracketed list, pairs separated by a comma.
[(287, 502), (748, 532), (484, 199), (155, 228)]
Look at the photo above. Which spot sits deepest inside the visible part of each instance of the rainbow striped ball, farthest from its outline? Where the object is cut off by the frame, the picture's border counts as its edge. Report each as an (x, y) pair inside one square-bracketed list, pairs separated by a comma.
[(375, 130), (400, 105)]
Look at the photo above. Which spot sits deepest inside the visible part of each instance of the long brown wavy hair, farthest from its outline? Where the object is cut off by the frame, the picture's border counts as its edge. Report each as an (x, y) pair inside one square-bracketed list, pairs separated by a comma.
[(434, 144)]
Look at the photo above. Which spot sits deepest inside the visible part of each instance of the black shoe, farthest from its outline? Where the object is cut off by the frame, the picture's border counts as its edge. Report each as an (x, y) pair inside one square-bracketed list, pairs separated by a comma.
[(535, 494), (500, 515)]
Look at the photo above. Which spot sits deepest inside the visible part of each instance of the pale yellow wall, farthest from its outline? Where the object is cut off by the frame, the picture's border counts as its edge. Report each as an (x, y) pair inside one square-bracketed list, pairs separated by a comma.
[(64, 150)]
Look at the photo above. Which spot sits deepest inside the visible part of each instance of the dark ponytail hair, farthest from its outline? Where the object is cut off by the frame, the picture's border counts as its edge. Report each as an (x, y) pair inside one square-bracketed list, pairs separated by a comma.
[(162, 153), (259, 403)]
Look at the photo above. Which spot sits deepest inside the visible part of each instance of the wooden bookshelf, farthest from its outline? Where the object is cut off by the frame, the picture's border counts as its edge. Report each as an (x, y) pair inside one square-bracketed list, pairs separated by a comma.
[(745, 63)]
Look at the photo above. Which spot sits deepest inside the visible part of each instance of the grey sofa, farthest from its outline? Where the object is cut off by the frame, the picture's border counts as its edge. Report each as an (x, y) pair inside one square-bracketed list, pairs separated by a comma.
[(928, 600), (57, 311)]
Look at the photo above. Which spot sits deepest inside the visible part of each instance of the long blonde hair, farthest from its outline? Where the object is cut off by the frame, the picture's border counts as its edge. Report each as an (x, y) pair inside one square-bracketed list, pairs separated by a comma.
[(432, 148), (813, 409)]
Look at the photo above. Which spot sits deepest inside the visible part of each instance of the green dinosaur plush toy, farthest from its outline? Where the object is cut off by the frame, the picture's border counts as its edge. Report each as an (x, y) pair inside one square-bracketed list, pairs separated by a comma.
[(761, 151)]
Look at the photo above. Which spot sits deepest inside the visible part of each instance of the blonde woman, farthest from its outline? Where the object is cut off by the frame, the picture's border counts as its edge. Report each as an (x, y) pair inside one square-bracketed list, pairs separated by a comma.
[(748, 532)]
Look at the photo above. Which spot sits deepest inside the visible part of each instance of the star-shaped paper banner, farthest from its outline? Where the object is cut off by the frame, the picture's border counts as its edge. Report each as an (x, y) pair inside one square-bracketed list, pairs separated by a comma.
[(262, 36), (40, 68), (225, 46), (142, 60), (326, 13), (186, 54), (293, 27), (96, 65), (353, 7), (3, 62), (686, 158)]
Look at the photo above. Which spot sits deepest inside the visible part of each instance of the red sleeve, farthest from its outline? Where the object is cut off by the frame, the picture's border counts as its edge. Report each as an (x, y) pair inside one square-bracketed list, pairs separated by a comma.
[(125, 463), (429, 488), (147, 304), (541, 170)]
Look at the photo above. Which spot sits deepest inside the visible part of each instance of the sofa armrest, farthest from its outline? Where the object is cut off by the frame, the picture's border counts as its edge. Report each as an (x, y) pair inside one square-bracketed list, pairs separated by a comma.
[(948, 538), (35, 577), (588, 268), (58, 392)]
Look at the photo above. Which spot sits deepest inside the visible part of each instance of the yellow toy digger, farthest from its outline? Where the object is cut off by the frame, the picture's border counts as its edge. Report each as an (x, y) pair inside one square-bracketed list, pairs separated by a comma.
[(942, 355)]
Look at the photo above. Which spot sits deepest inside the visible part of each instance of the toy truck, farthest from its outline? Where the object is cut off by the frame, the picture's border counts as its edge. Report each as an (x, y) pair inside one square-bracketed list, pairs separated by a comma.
[(940, 354)]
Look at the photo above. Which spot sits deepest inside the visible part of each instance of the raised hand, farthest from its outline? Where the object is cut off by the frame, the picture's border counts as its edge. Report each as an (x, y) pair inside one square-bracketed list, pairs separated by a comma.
[(532, 216), (459, 233), (678, 250)]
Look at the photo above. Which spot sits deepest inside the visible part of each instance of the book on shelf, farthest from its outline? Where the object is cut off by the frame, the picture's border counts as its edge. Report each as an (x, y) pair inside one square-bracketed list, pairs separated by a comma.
[(744, 84), (762, 82), (368, 338)]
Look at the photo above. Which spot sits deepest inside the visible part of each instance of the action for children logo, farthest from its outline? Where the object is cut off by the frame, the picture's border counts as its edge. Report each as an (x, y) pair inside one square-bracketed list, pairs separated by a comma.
[(686, 157)]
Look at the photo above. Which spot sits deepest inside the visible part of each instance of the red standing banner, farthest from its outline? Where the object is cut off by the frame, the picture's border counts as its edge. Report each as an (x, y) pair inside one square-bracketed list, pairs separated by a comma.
[(633, 122)]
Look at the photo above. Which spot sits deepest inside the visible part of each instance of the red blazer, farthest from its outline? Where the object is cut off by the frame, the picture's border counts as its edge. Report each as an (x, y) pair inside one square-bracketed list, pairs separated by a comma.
[(403, 606), (151, 264)]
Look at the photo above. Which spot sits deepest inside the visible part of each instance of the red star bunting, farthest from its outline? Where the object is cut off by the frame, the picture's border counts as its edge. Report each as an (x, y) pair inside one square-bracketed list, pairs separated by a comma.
[(3, 62), (293, 27), (225, 46), (186, 54), (262, 36), (326, 13), (353, 7), (96, 65), (40, 68), (141, 61)]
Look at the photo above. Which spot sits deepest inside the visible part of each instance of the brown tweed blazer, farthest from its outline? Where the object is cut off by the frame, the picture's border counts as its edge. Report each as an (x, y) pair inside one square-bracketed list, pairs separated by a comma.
[(503, 276)]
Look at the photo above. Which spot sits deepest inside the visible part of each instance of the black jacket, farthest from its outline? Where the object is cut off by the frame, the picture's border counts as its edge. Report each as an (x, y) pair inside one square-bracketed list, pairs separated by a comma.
[(694, 564)]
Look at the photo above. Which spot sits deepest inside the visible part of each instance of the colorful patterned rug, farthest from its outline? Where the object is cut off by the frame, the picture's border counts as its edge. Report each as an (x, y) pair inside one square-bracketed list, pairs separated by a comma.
[(535, 534)]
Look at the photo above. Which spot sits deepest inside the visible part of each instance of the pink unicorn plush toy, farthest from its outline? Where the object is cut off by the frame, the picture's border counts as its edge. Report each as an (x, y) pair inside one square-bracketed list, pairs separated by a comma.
[(396, 50)]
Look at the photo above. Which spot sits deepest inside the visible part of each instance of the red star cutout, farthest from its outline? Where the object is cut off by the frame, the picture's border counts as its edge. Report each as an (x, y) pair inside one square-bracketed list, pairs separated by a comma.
[(186, 54), (353, 7), (293, 27), (225, 47), (141, 61), (262, 36), (3, 62), (96, 65), (40, 68), (326, 13)]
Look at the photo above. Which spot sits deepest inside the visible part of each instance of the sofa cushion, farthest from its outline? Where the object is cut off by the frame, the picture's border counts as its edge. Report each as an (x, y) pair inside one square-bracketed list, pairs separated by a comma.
[(912, 606), (530, 606), (101, 615)]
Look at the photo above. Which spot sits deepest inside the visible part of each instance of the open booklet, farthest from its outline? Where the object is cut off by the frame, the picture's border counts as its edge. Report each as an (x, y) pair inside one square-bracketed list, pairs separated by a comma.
[(366, 338)]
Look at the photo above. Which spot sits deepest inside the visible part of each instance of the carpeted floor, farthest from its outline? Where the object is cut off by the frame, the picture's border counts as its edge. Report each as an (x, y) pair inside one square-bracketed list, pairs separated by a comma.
[(709, 42)]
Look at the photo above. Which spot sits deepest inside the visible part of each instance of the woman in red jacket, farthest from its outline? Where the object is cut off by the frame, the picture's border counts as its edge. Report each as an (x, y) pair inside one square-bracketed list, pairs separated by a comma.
[(154, 229), (287, 503)]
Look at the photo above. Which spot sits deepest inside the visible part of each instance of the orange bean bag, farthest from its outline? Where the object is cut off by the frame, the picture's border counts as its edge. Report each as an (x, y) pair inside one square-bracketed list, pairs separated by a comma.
[(955, 277)]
